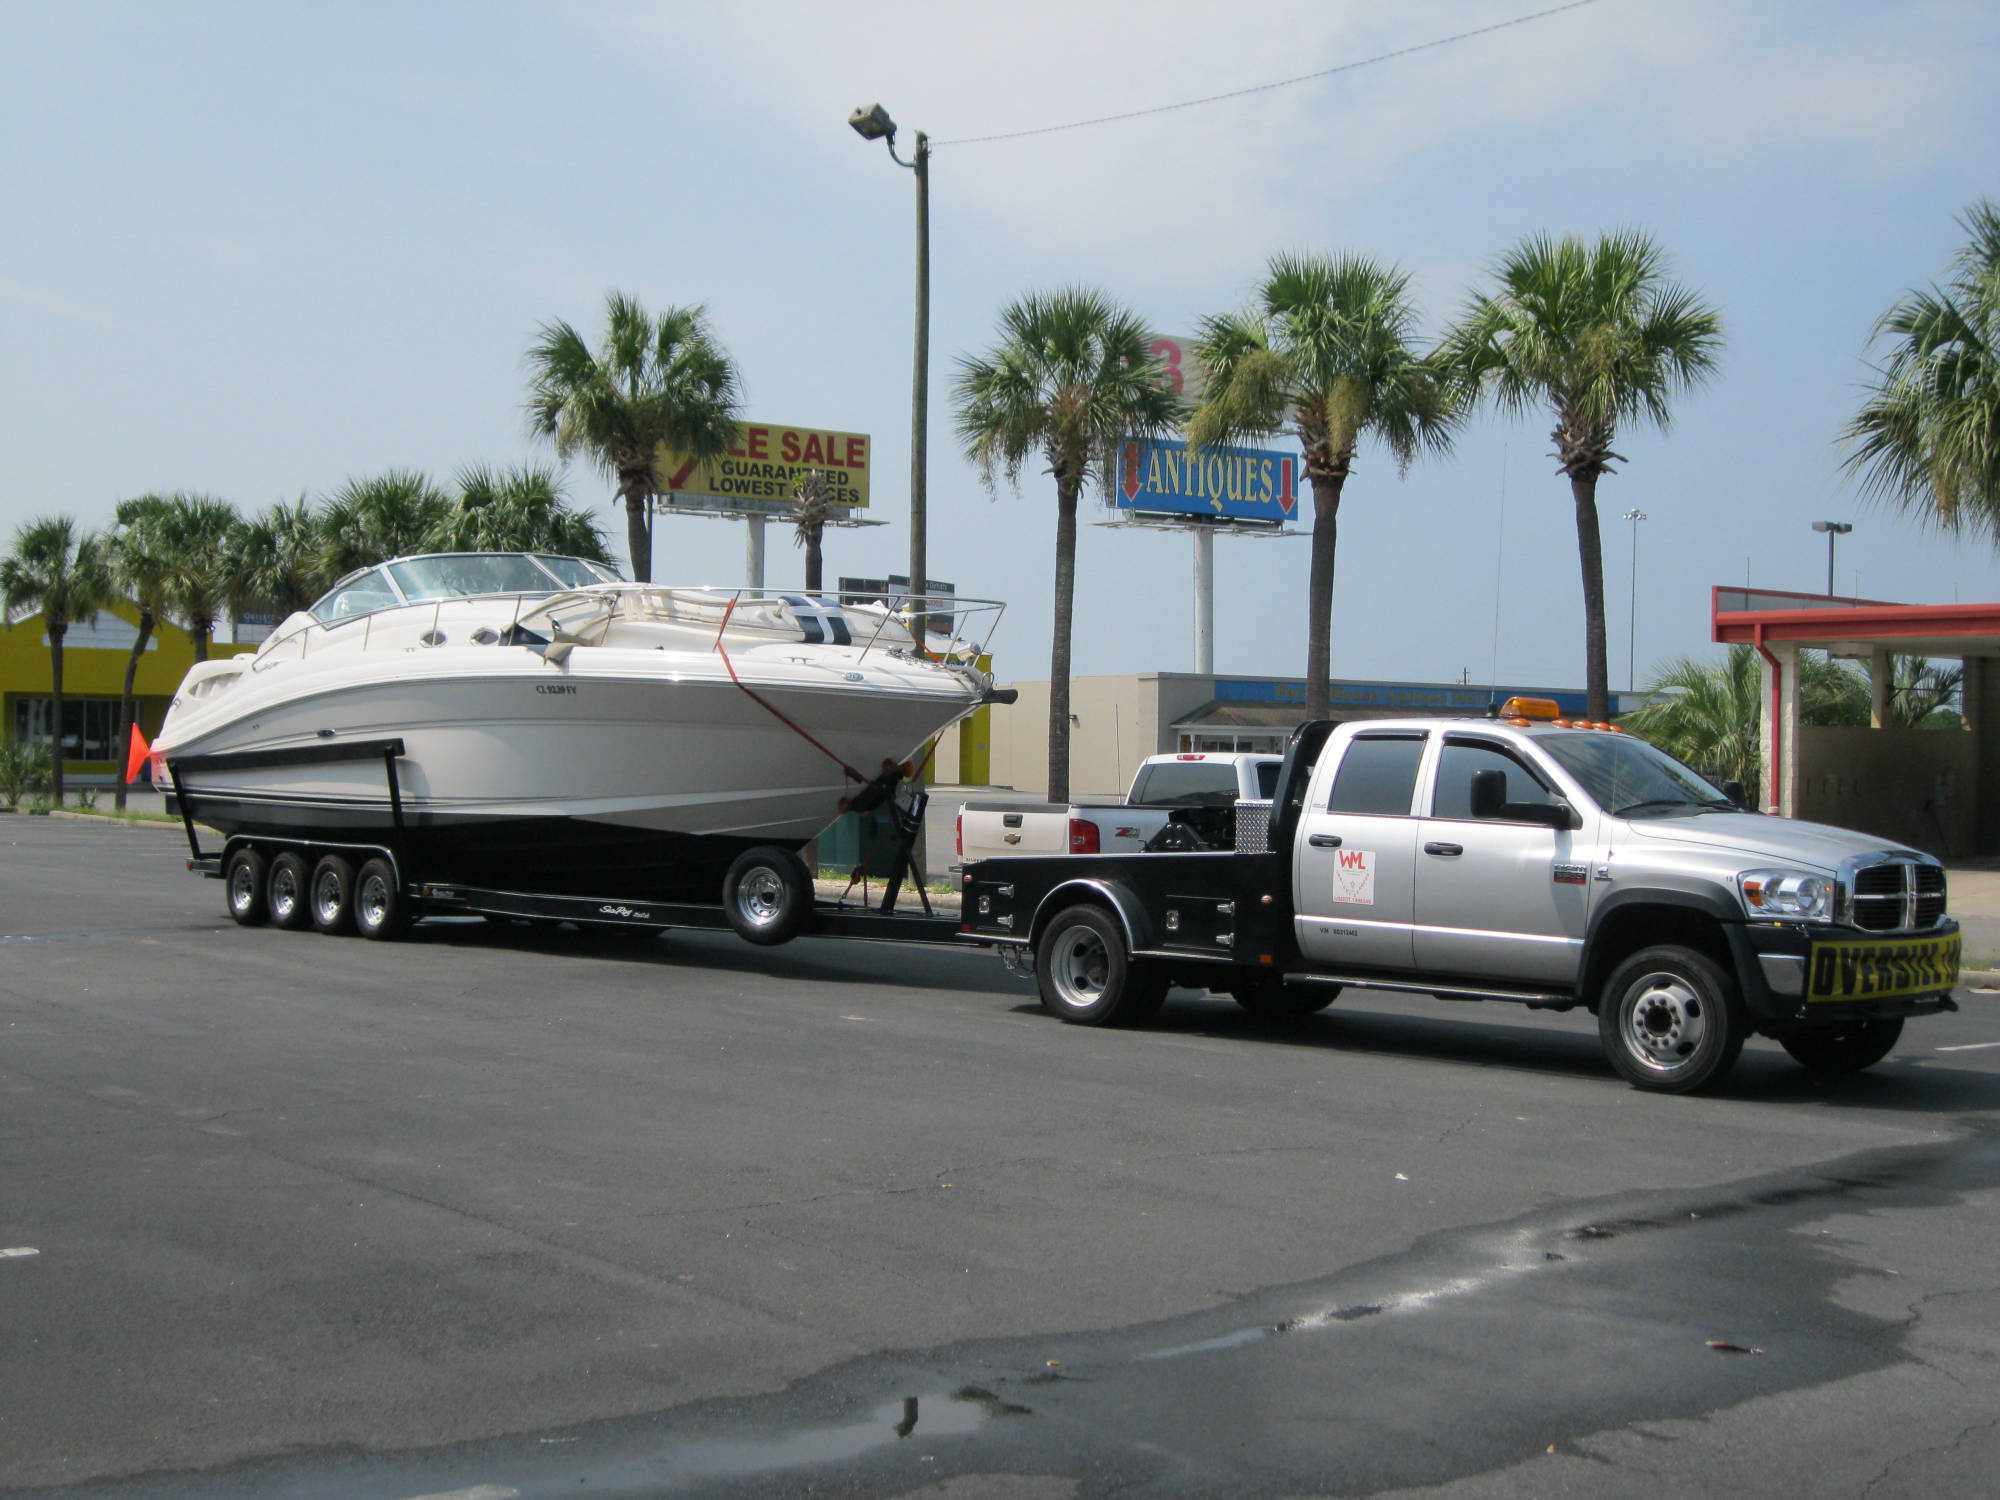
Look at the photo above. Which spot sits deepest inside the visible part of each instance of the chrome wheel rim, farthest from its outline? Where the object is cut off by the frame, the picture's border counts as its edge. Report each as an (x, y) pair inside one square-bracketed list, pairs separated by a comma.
[(326, 897), (761, 896), (372, 904), (284, 891), (1079, 967), (242, 887), (1664, 1022)]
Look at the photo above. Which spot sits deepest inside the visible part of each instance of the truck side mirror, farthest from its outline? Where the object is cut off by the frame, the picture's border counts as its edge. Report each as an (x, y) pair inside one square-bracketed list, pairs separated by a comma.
[(1489, 793)]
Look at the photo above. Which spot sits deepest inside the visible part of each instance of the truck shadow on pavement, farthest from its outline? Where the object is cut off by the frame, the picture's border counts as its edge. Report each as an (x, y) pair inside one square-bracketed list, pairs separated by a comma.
[(1913, 1079)]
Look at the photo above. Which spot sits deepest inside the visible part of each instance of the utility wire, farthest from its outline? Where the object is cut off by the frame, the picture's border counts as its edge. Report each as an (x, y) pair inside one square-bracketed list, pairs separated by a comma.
[(1261, 88)]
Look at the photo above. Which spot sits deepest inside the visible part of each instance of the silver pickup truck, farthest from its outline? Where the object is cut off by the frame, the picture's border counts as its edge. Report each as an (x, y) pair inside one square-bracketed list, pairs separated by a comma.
[(1516, 857), (1201, 786)]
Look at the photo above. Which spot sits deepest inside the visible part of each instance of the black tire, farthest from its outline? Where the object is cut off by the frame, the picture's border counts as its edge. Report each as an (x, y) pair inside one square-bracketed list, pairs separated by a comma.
[(245, 890), (767, 896), (1670, 1020), (285, 892), (1848, 1048), (1269, 998), (381, 909), (1087, 978), (330, 897)]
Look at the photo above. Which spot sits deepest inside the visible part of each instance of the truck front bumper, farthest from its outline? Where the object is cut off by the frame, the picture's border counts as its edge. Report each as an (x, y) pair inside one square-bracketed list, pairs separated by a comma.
[(1814, 974)]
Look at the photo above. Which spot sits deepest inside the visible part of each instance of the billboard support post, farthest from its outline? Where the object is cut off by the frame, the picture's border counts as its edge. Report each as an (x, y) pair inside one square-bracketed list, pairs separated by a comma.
[(1204, 599), (753, 557)]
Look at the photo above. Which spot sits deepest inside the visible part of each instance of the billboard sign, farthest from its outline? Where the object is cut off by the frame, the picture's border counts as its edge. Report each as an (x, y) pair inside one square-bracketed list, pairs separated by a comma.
[(1181, 373), (763, 468), (893, 590), (1164, 476)]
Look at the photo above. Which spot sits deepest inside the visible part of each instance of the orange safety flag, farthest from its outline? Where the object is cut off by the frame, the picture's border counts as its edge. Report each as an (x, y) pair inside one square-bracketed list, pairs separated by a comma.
[(136, 756)]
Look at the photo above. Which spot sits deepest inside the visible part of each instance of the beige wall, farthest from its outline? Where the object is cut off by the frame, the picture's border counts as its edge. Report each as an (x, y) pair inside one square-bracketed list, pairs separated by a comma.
[(1915, 786), (1120, 720)]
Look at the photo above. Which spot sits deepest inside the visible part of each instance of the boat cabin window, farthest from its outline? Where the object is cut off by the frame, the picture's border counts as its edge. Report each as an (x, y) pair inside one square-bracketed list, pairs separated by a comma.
[(357, 596), (576, 571), (454, 575)]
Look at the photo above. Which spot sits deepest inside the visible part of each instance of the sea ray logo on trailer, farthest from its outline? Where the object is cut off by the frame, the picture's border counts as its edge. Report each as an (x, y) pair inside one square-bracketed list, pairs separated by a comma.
[(623, 911)]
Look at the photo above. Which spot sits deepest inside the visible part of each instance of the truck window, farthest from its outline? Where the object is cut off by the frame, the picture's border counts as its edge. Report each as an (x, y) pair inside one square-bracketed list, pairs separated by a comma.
[(1453, 798), (1267, 779), (1185, 783), (1378, 774)]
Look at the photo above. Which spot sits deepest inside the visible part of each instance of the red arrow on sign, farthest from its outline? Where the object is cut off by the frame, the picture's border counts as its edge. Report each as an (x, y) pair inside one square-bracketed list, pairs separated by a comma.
[(1287, 494), (680, 476), (1131, 484)]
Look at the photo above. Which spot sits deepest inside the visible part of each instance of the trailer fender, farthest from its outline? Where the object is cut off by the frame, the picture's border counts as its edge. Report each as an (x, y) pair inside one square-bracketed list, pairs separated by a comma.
[(1110, 894)]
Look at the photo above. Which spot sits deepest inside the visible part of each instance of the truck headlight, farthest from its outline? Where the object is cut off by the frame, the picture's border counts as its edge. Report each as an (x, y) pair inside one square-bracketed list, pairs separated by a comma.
[(1790, 894)]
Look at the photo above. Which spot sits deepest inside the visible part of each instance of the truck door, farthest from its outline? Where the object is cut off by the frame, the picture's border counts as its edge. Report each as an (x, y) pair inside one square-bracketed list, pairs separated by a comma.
[(1501, 898), (1353, 861)]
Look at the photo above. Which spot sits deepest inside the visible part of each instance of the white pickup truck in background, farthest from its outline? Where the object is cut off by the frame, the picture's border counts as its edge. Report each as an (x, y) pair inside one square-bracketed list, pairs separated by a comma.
[(1162, 786)]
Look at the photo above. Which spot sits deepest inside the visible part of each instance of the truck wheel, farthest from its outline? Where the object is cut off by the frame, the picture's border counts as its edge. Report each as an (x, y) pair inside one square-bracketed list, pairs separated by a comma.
[(1670, 1020), (1268, 997), (767, 896), (244, 887), (1086, 976), (286, 900), (331, 895), (1843, 1049), (381, 910)]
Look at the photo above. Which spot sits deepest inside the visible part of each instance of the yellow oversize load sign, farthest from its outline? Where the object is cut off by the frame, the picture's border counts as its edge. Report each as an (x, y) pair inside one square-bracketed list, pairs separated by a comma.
[(1863, 969), (766, 463)]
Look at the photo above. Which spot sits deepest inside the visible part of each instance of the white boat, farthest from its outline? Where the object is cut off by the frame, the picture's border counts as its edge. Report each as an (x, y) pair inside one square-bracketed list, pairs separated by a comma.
[(561, 730)]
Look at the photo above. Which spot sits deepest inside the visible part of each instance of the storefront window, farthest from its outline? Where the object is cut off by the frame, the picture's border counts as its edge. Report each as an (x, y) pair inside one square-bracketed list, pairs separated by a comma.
[(90, 725)]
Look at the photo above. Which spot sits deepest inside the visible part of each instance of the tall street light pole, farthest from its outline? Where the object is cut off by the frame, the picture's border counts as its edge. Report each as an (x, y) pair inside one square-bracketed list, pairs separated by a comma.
[(1832, 530), (1632, 618), (873, 124)]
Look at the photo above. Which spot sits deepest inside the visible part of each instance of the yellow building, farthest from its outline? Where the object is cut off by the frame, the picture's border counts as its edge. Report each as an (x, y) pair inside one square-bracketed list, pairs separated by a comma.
[(94, 658)]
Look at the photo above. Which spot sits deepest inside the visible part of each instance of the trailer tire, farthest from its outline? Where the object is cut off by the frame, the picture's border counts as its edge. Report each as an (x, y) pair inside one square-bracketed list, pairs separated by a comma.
[(286, 888), (381, 910), (1834, 1050), (767, 895), (1087, 977), (244, 887), (1670, 1020), (331, 895)]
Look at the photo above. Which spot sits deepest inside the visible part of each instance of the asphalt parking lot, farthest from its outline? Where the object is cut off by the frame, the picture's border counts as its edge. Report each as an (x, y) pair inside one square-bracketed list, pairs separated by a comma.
[(525, 1212)]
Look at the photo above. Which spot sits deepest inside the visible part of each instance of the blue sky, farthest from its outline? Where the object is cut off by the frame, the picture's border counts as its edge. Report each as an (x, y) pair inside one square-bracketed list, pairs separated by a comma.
[(259, 249)]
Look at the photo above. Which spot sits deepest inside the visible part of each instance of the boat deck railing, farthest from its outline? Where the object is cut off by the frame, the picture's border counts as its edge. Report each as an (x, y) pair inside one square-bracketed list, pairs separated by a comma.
[(584, 617)]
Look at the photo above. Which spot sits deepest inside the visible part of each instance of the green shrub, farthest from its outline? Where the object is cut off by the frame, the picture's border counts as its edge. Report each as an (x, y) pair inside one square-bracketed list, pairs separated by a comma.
[(25, 770)]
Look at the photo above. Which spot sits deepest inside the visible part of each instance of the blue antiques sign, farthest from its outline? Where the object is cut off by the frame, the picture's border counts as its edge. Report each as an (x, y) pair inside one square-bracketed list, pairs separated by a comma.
[(1164, 476)]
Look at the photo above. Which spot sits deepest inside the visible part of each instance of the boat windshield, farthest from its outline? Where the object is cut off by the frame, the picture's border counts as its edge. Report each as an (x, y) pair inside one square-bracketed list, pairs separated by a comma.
[(577, 572), (357, 594), (455, 575)]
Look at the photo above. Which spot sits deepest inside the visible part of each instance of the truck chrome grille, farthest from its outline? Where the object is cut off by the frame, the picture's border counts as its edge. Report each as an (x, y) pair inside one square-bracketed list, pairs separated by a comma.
[(1895, 894)]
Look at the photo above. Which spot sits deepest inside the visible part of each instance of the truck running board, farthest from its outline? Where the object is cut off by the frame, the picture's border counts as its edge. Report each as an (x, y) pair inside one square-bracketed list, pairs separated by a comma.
[(1445, 989)]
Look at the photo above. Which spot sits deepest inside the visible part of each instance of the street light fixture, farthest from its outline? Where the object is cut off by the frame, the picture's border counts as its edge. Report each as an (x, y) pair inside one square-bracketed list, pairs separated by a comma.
[(873, 124), (1635, 516), (1832, 530)]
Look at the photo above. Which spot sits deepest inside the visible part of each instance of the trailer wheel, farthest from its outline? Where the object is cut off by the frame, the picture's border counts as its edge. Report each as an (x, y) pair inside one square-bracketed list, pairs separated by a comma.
[(1268, 997), (1834, 1050), (244, 887), (331, 895), (767, 895), (1086, 976), (1670, 1020), (289, 878), (381, 910)]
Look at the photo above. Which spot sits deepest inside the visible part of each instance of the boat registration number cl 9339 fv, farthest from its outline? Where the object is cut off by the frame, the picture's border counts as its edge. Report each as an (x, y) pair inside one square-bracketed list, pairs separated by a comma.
[(1862, 969)]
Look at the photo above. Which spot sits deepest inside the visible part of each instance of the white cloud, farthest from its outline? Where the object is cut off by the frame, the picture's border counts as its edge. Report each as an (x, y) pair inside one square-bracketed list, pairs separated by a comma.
[(1711, 79)]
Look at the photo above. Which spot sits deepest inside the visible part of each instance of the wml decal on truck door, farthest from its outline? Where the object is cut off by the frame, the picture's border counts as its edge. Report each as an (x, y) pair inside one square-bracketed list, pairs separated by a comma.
[(1354, 877)]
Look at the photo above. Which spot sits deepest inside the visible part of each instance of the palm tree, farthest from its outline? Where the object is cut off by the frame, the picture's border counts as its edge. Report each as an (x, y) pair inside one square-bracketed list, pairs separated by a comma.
[(1927, 440), (1706, 715), (1071, 376), (196, 538), (656, 383), (278, 561), (63, 576), (1325, 353), (516, 510), (368, 521), (812, 508), (138, 571), (1598, 335)]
